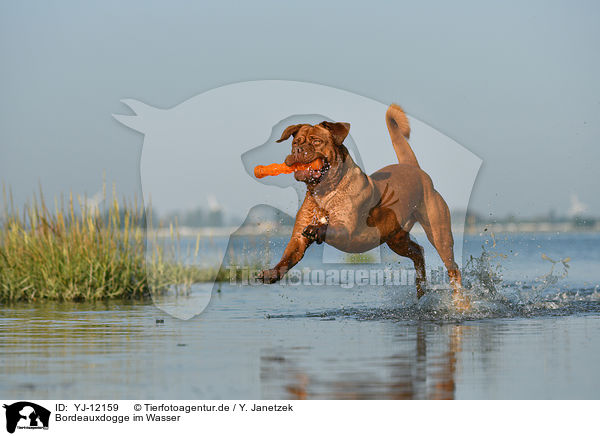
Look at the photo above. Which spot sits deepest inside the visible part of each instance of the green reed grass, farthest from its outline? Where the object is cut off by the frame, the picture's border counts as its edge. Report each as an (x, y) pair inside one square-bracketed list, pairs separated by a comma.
[(75, 252), (360, 258)]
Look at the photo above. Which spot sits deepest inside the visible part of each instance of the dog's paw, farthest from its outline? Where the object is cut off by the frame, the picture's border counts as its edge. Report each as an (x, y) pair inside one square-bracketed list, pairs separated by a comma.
[(268, 276), (315, 233)]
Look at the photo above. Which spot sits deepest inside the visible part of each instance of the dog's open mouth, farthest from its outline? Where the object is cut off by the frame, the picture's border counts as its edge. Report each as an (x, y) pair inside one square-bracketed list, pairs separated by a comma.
[(318, 168)]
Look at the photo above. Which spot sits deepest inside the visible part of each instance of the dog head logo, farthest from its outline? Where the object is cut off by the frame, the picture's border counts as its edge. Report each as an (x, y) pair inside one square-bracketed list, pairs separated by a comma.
[(26, 415), (191, 156)]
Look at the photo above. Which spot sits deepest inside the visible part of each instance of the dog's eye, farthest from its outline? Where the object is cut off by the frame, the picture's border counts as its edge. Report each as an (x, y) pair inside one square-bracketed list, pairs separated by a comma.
[(316, 141)]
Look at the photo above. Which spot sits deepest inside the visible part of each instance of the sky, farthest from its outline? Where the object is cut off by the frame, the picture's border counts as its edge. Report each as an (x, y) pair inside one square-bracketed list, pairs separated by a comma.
[(516, 83)]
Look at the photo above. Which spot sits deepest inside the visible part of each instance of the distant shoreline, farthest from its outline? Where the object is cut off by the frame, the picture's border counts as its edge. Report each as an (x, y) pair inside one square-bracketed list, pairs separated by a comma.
[(269, 229), (532, 227)]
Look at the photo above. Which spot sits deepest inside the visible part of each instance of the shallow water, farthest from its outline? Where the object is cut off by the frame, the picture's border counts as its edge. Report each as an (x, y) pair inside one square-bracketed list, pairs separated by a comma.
[(538, 336)]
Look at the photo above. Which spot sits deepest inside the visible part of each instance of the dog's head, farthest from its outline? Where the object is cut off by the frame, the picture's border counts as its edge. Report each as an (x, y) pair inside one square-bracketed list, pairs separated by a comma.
[(321, 141)]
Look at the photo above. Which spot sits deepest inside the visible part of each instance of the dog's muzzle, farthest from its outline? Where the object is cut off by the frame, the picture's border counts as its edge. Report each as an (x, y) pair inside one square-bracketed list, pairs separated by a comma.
[(310, 175)]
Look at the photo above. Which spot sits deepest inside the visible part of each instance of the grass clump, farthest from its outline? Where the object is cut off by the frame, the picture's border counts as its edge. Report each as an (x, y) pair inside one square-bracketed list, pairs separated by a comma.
[(360, 258), (81, 253)]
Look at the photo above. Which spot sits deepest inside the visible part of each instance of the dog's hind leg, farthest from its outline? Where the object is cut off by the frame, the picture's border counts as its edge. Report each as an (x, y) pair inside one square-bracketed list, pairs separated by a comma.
[(403, 245), (435, 220)]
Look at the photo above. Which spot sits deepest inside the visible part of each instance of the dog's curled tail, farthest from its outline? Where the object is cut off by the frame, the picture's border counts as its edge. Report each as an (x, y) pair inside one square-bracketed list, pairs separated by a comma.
[(399, 129)]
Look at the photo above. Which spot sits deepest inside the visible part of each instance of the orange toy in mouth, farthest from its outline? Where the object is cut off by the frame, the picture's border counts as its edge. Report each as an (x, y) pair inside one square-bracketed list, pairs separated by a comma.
[(275, 169)]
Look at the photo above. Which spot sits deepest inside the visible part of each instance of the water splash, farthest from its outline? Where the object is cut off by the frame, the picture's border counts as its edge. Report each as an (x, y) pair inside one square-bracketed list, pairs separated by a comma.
[(491, 296), (484, 273), (551, 278)]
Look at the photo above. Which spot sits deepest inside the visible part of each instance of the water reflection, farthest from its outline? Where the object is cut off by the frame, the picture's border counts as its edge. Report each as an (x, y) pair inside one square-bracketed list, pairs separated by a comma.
[(423, 366), (118, 350), (53, 348)]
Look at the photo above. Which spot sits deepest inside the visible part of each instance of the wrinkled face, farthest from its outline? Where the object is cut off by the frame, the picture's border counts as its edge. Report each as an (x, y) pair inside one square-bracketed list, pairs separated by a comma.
[(322, 141)]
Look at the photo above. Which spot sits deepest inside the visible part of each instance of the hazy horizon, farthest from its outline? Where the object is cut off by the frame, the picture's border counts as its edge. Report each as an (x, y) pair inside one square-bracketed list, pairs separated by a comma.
[(514, 83)]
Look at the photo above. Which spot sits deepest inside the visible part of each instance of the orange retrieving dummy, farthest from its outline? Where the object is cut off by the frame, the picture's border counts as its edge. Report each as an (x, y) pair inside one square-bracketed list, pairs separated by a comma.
[(275, 169)]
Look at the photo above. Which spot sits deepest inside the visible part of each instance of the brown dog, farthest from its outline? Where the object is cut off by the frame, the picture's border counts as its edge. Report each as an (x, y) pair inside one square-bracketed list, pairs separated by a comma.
[(354, 212)]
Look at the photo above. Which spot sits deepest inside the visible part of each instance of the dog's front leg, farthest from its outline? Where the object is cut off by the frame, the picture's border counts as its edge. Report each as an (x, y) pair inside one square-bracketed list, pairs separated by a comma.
[(298, 244), (293, 253), (327, 232), (315, 232)]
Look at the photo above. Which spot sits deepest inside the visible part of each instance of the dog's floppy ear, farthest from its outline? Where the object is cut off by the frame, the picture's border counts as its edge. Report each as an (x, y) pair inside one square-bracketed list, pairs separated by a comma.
[(289, 131), (339, 131)]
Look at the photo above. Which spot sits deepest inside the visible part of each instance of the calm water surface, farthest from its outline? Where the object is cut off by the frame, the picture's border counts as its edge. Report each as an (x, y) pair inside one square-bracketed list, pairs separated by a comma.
[(537, 337)]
